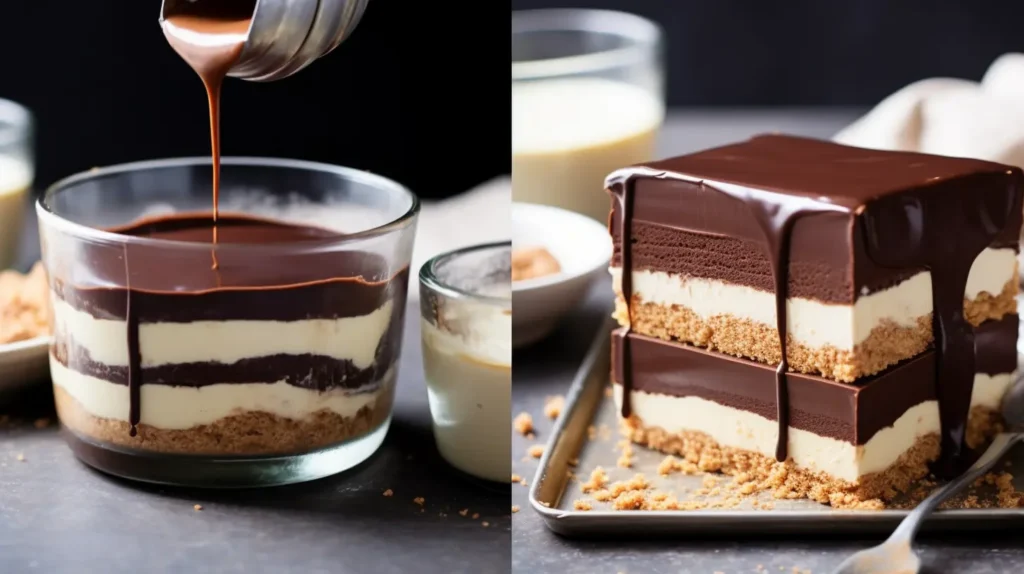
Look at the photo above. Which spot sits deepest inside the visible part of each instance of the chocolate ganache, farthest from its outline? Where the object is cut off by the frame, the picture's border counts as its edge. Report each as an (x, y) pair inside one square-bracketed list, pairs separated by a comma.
[(163, 283), (906, 212)]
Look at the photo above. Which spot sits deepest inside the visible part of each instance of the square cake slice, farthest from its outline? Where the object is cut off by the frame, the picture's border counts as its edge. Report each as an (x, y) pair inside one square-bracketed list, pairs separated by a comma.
[(871, 272), (702, 272)]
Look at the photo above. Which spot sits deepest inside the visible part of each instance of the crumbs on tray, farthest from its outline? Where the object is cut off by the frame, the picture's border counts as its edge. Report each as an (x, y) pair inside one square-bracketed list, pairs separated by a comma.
[(533, 262), (24, 305)]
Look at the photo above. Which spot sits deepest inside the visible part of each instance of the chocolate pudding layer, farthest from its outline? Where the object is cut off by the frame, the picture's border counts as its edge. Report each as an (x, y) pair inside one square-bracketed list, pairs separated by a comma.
[(288, 345)]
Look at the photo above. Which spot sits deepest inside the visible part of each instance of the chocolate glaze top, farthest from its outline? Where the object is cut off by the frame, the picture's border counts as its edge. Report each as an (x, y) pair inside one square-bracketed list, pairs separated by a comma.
[(821, 171)]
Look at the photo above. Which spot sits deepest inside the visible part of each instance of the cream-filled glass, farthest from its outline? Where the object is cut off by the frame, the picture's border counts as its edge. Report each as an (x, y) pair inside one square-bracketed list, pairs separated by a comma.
[(587, 99), (466, 318), (16, 175)]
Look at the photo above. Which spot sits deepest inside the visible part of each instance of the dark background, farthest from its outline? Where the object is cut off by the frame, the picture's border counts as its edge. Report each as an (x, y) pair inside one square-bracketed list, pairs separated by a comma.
[(419, 92), (817, 52)]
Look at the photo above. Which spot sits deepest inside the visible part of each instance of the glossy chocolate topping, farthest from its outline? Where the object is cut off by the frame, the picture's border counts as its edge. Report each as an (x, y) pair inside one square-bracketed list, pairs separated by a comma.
[(174, 283), (903, 212)]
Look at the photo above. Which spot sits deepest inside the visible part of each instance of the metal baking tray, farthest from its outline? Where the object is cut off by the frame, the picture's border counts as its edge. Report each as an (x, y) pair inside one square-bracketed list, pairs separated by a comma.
[(553, 491)]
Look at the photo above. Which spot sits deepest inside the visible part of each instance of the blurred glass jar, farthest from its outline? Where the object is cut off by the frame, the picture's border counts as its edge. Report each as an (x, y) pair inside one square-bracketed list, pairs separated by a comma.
[(17, 170), (587, 99), (466, 318)]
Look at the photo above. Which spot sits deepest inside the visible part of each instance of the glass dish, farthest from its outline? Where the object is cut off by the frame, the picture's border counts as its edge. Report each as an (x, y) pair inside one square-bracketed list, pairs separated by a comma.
[(588, 97), (240, 363), (16, 175), (466, 325)]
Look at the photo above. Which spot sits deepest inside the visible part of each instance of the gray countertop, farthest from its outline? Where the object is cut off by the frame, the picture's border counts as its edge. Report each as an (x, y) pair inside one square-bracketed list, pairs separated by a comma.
[(548, 368), (57, 515)]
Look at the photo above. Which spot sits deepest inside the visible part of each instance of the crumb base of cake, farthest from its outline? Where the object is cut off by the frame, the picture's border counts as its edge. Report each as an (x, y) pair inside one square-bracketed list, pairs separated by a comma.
[(785, 480), (887, 344), (244, 433)]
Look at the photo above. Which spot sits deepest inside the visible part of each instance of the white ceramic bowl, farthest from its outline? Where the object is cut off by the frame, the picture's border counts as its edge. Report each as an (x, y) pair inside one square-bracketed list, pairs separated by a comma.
[(583, 249)]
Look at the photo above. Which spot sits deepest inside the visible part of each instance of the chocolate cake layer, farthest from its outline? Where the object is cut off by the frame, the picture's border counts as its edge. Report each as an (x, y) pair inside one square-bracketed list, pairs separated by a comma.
[(716, 238), (313, 372), (850, 413)]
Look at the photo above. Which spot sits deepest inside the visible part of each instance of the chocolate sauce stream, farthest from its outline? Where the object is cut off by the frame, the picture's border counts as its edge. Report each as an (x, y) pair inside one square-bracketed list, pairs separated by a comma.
[(211, 43), (134, 356)]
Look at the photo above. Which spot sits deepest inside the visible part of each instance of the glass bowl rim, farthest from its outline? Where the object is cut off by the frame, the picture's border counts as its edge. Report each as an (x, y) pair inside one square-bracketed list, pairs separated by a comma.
[(645, 35), (429, 279), (48, 218)]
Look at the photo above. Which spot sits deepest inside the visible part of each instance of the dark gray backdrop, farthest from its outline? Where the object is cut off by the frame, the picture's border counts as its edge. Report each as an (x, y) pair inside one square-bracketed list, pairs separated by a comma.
[(814, 52)]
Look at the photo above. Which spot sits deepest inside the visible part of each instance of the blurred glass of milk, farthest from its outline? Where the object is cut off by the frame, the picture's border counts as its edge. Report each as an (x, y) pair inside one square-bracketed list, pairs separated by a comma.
[(16, 173), (587, 99)]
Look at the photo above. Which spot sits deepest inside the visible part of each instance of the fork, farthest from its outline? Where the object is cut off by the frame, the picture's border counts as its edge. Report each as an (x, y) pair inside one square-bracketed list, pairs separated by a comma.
[(895, 556)]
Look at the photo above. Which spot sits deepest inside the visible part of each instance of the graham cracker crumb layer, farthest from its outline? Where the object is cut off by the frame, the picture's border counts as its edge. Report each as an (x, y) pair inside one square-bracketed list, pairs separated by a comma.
[(246, 433), (887, 344), (785, 480)]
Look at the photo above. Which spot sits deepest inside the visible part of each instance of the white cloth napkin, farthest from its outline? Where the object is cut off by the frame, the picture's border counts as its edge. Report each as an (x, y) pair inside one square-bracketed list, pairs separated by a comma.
[(947, 116), (480, 215)]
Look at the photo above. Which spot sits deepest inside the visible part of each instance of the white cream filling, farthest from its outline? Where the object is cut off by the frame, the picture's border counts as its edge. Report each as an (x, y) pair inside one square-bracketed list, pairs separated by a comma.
[(351, 338), (731, 427), (811, 322), (169, 407)]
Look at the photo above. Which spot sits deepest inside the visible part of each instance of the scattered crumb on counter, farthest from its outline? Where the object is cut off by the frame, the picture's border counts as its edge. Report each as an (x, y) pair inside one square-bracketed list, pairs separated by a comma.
[(523, 423), (419, 500), (485, 524), (21, 457), (523, 482), (553, 406), (24, 305), (598, 480), (515, 508), (516, 478), (536, 451), (475, 515), (464, 512), (626, 459), (197, 507), (389, 492), (533, 262), (582, 505)]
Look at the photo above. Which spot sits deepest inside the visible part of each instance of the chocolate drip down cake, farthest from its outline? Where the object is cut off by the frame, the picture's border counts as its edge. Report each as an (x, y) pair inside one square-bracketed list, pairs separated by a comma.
[(248, 356), (834, 321)]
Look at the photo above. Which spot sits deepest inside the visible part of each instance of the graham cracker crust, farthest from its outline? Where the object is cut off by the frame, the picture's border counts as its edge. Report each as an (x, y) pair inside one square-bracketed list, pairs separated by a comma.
[(246, 433), (787, 481), (887, 344)]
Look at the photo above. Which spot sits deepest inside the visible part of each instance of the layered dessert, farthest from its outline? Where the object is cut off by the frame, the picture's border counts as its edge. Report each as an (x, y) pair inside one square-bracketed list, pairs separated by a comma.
[(834, 316), (160, 350)]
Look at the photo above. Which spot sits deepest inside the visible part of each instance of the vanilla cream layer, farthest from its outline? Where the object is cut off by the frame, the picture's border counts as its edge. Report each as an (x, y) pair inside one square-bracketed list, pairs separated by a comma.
[(351, 338), (745, 430), (169, 407), (811, 322)]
